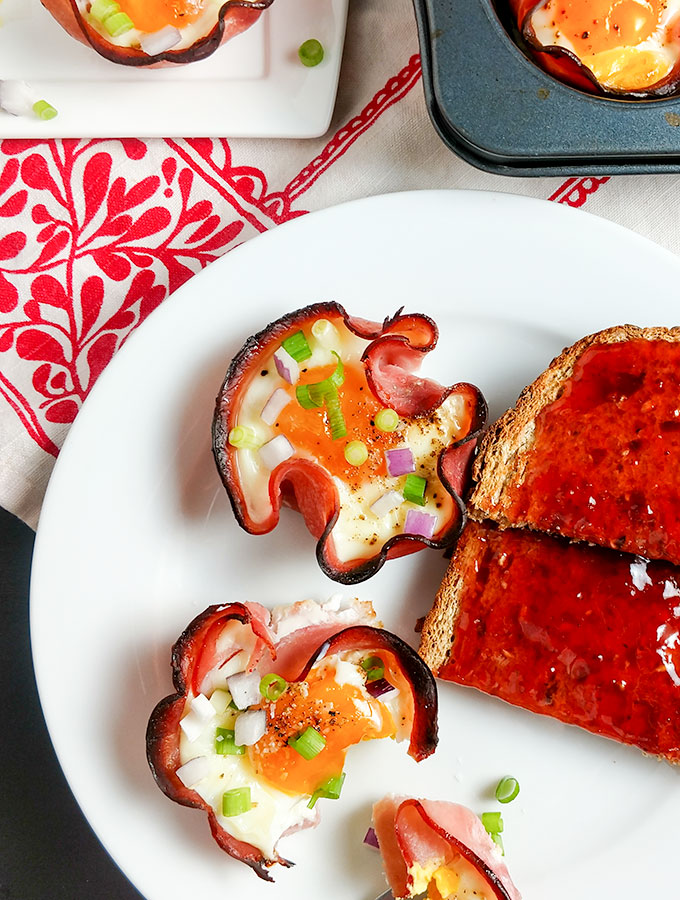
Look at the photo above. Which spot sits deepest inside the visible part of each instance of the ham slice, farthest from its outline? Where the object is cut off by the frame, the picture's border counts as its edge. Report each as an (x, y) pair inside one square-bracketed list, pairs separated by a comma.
[(419, 838)]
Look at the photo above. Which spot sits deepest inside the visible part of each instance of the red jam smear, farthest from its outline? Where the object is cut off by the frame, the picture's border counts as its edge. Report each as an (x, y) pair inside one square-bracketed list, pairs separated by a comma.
[(603, 466), (566, 631)]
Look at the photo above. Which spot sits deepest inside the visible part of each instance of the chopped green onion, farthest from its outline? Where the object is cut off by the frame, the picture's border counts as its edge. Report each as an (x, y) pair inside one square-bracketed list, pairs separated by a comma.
[(335, 417), (329, 789), (243, 437), (356, 453), (118, 24), (507, 789), (272, 686), (414, 489), (492, 822), (101, 9), (44, 110), (296, 345), (236, 801), (313, 395), (308, 744), (311, 52), (225, 744), (324, 331), (498, 840), (386, 420), (374, 668)]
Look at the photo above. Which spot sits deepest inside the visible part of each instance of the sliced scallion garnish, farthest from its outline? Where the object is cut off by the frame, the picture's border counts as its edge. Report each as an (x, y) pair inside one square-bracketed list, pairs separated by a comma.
[(225, 744), (118, 23), (44, 110), (507, 789), (336, 420), (243, 437), (414, 489), (296, 345), (236, 801), (101, 9), (329, 789), (386, 420), (492, 822), (498, 840), (272, 686), (308, 744), (311, 52), (356, 453), (374, 668)]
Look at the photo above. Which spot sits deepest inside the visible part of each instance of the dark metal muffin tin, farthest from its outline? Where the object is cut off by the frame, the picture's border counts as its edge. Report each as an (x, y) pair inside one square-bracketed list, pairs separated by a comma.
[(499, 111)]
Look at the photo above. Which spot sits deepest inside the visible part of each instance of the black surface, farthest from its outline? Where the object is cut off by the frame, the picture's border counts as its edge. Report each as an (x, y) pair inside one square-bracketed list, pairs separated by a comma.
[(502, 113), (47, 849)]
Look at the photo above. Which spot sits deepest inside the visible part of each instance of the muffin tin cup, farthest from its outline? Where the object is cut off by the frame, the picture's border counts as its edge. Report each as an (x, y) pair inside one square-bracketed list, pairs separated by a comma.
[(500, 112)]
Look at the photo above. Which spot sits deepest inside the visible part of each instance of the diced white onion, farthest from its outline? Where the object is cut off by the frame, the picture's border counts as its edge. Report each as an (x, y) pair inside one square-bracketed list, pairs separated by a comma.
[(274, 452), (194, 771), (244, 689), (200, 713), (272, 408), (286, 366), (17, 97), (159, 41), (249, 727), (385, 504)]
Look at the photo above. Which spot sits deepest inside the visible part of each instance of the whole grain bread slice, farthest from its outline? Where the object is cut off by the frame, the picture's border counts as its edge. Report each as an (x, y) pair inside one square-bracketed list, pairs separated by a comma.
[(505, 452)]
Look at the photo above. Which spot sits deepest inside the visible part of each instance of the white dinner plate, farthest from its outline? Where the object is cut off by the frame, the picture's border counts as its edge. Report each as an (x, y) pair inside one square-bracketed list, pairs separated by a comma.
[(253, 86), (137, 537)]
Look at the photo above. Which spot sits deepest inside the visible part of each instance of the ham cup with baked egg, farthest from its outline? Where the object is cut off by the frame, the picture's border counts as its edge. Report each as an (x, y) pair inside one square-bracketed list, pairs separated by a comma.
[(621, 48), (439, 850), (265, 707), (328, 414), (155, 32)]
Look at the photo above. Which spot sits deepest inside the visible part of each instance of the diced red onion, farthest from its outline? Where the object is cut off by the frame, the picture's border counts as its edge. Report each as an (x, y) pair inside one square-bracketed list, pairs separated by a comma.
[(159, 41), (381, 689), (272, 408), (286, 366), (420, 523), (274, 452), (249, 727), (400, 461), (371, 838), (201, 711), (193, 771), (385, 504), (244, 689)]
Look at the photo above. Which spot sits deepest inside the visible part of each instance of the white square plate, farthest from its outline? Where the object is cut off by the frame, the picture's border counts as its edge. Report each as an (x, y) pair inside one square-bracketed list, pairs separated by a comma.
[(253, 86)]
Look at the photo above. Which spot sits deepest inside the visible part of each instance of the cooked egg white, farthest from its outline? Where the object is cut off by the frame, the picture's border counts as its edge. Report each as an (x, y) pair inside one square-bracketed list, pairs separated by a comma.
[(628, 45)]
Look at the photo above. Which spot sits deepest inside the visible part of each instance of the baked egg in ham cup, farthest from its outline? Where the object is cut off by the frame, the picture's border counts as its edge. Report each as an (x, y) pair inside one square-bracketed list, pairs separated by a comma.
[(155, 32), (266, 705), (328, 414), (619, 48), (439, 850)]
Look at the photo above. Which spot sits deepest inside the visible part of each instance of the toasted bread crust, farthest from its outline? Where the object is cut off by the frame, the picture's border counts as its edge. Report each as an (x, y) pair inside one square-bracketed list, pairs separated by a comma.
[(505, 451), (439, 629)]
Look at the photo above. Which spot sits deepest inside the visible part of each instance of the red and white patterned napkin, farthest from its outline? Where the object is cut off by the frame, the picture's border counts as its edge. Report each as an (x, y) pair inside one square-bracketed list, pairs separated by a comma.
[(96, 233)]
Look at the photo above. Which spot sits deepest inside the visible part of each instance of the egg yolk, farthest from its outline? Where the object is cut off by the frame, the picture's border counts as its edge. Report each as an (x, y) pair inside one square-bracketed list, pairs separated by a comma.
[(341, 713), (311, 433), (152, 15), (594, 26)]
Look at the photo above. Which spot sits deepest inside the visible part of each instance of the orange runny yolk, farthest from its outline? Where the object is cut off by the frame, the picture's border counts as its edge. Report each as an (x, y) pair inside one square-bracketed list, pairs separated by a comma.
[(152, 15), (328, 707), (593, 26), (310, 432)]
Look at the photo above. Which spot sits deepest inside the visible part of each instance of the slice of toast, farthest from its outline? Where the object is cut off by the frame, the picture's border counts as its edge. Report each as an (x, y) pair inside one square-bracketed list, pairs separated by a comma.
[(591, 450), (580, 633)]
